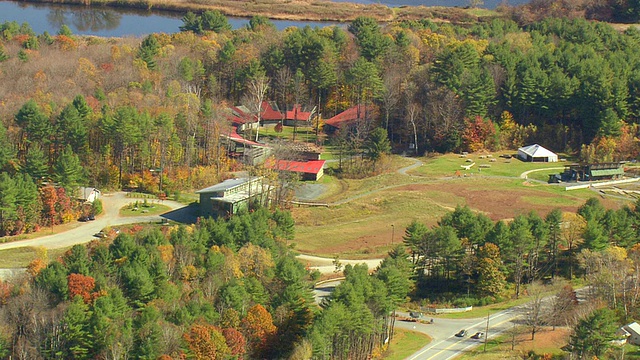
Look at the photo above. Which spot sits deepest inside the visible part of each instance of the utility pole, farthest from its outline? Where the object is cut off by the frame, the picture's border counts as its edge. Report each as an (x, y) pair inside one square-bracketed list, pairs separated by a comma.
[(486, 334), (393, 232)]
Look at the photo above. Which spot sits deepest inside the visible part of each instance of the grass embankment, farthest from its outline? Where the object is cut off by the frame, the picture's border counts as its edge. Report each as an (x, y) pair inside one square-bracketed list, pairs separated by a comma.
[(44, 231), (21, 257), (405, 343), (361, 227), (316, 10)]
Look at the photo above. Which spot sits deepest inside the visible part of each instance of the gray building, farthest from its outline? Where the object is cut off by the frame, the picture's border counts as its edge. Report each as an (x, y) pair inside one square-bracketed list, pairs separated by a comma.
[(230, 196)]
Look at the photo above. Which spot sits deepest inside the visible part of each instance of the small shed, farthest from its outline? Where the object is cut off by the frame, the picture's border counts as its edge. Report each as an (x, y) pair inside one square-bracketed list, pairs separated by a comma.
[(536, 153), (634, 333), (88, 194)]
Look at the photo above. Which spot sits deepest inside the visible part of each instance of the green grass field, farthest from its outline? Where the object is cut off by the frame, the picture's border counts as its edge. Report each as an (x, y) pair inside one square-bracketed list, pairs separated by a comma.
[(359, 226), (405, 343), (21, 257), (141, 210)]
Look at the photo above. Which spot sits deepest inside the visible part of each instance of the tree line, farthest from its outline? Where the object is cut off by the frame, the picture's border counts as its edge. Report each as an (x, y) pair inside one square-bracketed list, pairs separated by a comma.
[(130, 106), (218, 289)]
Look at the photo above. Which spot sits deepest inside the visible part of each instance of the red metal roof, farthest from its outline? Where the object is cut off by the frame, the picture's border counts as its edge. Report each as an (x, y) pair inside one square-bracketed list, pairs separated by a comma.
[(298, 114), (237, 116), (355, 113), (307, 167), (269, 113), (234, 136)]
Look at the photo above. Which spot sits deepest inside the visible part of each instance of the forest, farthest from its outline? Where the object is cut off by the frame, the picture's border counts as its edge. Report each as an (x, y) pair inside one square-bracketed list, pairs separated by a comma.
[(233, 288), (216, 290), (104, 112)]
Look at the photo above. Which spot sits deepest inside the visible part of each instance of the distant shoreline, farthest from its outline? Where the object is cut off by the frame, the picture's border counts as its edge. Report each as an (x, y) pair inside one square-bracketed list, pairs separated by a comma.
[(295, 10)]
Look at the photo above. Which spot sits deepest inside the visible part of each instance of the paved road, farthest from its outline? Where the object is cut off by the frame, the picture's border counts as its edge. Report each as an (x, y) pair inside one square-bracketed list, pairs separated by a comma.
[(112, 203), (445, 345), (326, 266)]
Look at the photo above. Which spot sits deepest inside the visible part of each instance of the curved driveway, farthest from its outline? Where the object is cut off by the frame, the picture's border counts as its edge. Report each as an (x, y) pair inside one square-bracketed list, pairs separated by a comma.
[(112, 203)]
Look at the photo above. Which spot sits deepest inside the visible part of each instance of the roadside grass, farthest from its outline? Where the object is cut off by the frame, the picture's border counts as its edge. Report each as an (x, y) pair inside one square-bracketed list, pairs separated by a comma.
[(482, 311), (140, 209), (405, 343), (44, 231), (22, 256), (547, 342)]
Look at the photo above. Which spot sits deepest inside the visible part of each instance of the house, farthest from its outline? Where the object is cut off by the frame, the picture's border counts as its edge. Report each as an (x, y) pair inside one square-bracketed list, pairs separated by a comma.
[(241, 118), (297, 117), (536, 153), (88, 194), (270, 113), (232, 195), (244, 150), (308, 170), (633, 330), (347, 118)]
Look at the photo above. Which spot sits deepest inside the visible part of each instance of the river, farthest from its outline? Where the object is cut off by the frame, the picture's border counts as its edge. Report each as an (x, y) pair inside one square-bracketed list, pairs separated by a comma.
[(114, 22), (109, 22)]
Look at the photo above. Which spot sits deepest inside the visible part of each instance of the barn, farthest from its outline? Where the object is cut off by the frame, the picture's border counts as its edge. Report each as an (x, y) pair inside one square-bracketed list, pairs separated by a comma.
[(536, 153)]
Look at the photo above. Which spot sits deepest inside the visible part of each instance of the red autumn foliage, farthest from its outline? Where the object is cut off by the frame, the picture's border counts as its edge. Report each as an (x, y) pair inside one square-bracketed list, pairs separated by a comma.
[(5, 292), (81, 285), (49, 199), (235, 341)]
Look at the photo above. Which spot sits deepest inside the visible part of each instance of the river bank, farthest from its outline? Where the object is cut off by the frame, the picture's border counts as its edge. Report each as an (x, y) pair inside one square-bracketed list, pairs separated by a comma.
[(298, 10)]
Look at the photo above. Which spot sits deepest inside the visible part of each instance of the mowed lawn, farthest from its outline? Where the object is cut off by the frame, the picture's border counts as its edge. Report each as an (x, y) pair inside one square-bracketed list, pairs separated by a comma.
[(405, 343), (362, 226), (450, 164), (547, 342)]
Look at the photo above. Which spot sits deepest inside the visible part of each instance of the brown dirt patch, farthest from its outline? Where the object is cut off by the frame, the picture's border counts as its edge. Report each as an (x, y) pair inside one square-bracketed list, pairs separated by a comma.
[(546, 341), (497, 204)]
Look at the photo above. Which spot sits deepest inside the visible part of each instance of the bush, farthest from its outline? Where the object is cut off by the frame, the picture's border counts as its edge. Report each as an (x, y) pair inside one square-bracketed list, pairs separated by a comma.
[(96, 207)]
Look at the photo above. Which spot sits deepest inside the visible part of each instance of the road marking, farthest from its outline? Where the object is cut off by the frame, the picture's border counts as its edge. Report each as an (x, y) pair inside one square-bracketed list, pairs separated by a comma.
[(474, 344), (455, 343)]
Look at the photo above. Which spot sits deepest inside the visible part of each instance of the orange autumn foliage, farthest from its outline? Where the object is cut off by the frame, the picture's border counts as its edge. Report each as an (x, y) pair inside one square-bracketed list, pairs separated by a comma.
[(258, 325), (81, 285), (206, 342), (35, 267)]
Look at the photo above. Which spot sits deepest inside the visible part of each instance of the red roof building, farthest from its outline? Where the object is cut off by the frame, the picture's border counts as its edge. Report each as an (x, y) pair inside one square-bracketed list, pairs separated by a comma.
[(269, 114), (348, 116), (310, 170), (296, 114)]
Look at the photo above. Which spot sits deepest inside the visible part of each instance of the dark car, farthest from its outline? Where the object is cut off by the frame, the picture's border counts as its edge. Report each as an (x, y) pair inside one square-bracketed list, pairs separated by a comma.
[(91, 217), (415, 315), (478, 335), (462, 333), (83, 218)]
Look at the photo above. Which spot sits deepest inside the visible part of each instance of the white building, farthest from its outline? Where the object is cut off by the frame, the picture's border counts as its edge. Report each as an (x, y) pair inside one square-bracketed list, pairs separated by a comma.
[(536, 153)]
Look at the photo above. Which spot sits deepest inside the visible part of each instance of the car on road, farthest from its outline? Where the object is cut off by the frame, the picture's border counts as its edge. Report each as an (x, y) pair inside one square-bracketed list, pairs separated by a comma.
[(91, 217), (478, 335), (415, 314), (100, 234), (462, 333)]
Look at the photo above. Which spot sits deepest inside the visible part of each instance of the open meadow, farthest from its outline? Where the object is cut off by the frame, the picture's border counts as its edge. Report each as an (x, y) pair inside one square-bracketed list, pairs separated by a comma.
[(365, 217)]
